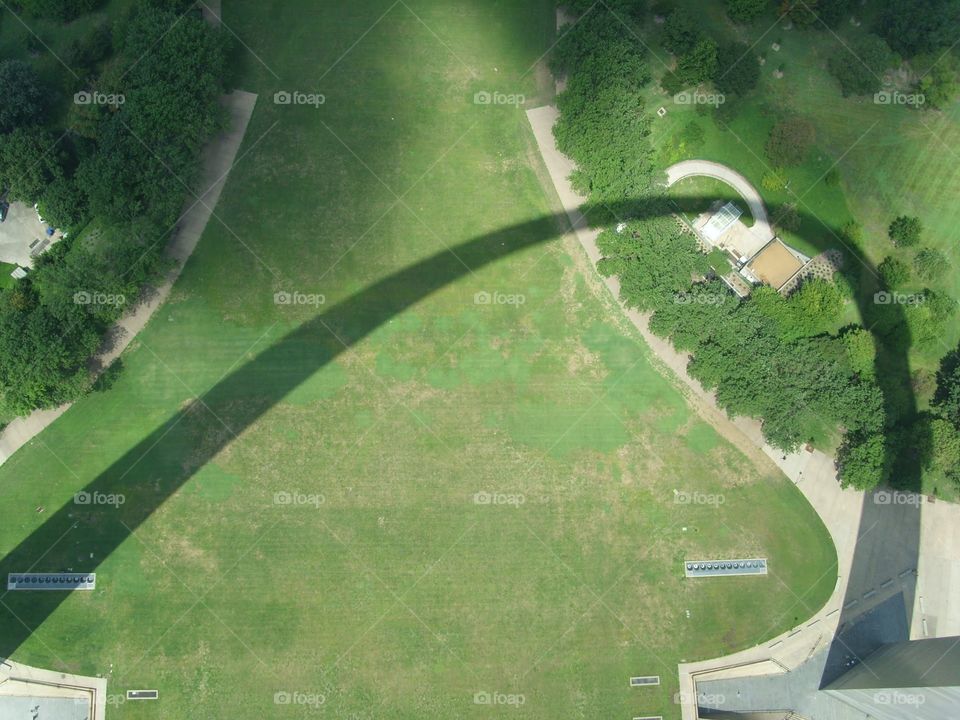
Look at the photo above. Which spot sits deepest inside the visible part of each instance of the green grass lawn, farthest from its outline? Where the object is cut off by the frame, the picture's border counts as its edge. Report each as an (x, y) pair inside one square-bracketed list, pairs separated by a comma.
[(6, 279), (399, 595)]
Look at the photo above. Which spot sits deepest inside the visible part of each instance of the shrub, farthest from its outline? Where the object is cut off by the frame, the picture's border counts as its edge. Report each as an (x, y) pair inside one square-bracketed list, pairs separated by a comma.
[(905, 231), (930, 264), (893, 273), (774, 181), (852, 231), (858, 69), (788, 218), (790, 140), (699, 64), (680, 32), (746, 10)]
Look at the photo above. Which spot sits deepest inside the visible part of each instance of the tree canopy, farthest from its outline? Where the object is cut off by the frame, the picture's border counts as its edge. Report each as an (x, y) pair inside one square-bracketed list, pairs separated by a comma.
[(859, 68), (603, 123), (920, 26), (23, 95), (118, 190), (905, 231), (737, 69), (790, 140), (746, 10)]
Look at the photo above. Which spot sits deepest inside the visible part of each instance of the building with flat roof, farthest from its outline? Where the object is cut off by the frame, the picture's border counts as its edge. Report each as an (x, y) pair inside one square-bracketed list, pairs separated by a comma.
[(29, 692), (904, 680), (775, 264), (721, 221), (723, 229)]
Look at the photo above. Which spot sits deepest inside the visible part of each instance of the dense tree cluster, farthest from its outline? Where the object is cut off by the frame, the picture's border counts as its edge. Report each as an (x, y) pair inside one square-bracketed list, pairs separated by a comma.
[(114, 181), (924, 33), (920, 26), (603, 124), (939, 78), (737, 69), (831, 12), (768, 357), (934, 440), (630, 8), (815, 13), (733, 68)]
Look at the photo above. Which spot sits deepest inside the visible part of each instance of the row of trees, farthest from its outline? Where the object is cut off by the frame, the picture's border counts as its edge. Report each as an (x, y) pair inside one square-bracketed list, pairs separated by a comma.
[(117, 172), (603, 124), (768, 357)]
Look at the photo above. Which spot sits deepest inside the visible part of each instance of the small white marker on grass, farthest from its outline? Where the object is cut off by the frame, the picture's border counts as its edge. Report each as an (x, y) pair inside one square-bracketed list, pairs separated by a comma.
[(143, 694)]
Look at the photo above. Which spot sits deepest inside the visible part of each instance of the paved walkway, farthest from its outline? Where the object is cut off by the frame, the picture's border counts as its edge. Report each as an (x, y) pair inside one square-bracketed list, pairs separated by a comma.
[(705, 168), (812, 472), (218, 158)]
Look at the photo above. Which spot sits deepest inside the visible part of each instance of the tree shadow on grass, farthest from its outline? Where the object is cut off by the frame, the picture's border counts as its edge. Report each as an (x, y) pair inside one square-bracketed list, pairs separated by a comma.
[(74, 534)]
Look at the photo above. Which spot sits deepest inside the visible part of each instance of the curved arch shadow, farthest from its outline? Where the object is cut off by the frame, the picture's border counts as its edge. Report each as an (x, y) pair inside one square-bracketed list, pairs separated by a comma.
[(350, 320)]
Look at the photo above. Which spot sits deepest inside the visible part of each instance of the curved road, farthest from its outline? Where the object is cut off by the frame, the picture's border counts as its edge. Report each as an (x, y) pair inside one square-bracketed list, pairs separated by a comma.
[(705, 168)]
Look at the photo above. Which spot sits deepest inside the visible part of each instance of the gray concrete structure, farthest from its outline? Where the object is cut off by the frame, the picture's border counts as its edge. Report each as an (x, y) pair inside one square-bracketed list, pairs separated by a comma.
[(51, 581), (720, 568), (35, 694), (913, 680), (23, 236), (916, 679)]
